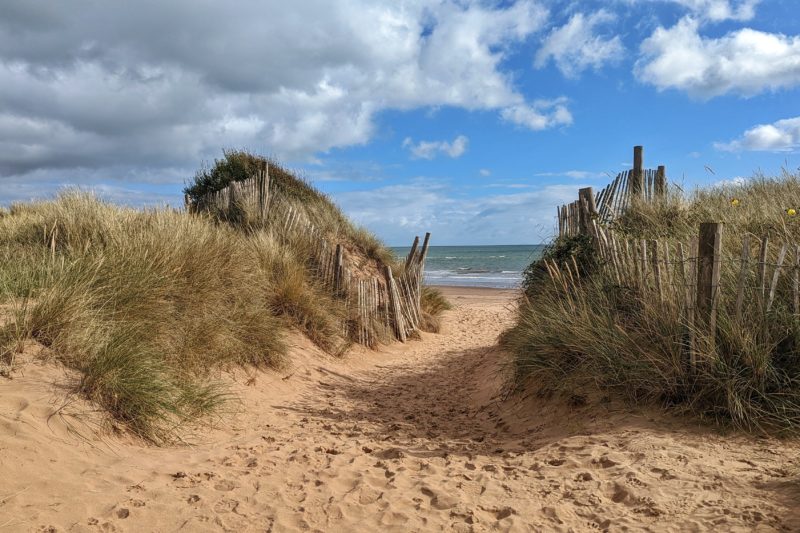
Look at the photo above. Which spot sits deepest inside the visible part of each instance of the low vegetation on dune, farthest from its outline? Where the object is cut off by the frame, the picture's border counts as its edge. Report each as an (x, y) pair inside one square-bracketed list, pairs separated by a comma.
[(601, 334), (149, 305), (433, 304), (239, 165)]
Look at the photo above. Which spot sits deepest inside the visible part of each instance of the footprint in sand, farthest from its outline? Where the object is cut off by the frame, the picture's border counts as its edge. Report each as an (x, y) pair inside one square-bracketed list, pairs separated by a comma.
[(226, 505), (440, 500), (225, 485)]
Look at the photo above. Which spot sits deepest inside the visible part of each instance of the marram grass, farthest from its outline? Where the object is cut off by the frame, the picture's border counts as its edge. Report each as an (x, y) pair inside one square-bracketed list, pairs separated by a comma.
[(149, 305), (600, 335)]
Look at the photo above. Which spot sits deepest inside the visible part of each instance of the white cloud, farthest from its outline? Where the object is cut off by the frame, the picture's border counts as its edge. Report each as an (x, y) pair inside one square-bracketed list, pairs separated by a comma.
[(575, 174), (745, 61), (574, 47), (783, 135), (738, 181), (540, 115), (94, 86), (430, 149), (397, 212), (485, 172), (719, 10)]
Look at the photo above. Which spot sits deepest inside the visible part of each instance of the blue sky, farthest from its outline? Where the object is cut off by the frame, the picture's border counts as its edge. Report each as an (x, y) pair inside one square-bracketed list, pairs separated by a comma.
[(469, 119)]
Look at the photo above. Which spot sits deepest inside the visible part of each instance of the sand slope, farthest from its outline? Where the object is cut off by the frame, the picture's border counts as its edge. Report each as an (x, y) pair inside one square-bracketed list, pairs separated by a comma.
[(415, 438)]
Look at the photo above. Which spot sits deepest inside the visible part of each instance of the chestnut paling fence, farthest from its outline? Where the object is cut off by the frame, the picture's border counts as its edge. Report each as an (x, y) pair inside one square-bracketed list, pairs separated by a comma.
[(647, 185), (377, 304), (695, 281)]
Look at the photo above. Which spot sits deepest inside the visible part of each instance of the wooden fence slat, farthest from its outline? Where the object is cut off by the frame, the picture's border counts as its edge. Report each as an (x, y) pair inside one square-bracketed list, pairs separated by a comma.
[(762, 270), (413, 252), (708, 277), (394, 305), (689, 303), (661, 182), (424, 253), (657, 272), (743, 270), (637, 177), (796, 280), (776, 275)]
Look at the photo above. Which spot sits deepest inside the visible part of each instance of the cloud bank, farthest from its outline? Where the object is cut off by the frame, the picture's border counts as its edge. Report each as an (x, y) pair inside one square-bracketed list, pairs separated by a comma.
[(95, 85)]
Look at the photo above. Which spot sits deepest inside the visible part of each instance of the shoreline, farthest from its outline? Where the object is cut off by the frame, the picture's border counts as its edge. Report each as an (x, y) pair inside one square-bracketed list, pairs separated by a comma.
[(479, 296), (456, 290)]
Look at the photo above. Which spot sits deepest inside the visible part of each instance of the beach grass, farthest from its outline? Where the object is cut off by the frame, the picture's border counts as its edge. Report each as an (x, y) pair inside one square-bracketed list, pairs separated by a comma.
[(604, 336), (150, 305)]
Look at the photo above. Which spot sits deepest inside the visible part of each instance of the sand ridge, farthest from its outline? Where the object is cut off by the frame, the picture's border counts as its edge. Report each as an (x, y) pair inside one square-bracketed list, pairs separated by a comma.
[(421, 436)]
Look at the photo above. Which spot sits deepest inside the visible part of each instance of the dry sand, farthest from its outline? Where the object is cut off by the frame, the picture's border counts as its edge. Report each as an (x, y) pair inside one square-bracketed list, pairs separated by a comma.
[(416, 437)]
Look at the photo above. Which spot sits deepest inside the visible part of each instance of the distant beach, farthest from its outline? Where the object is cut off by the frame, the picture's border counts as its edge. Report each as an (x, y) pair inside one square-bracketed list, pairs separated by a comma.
[(498, 267)]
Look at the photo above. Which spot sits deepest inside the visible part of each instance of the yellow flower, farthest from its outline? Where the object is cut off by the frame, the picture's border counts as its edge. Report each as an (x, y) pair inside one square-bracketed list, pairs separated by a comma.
[(734, 202), (791, 212)]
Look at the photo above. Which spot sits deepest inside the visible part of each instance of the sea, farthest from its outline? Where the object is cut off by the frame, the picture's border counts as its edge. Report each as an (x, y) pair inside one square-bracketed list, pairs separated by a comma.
[(497, 267)]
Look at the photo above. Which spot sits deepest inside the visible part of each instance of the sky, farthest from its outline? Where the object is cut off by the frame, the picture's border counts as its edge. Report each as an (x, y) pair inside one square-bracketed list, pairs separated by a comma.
[(469, 119)]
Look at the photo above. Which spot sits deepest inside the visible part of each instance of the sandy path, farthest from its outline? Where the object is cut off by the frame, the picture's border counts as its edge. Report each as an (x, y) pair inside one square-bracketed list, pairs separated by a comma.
[(415, 438)]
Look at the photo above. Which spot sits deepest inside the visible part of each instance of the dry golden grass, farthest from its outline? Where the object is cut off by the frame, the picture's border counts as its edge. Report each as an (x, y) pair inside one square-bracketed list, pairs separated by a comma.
[(145, 304)]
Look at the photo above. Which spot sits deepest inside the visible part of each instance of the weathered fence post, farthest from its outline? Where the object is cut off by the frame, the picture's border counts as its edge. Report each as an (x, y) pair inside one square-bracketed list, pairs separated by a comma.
[(745, 265), (587, 209), (560, 222), (762, 270), (661, 182), (410, 258), (338, 270), (263, 189), (708, 275), (394, 304), (796, 280), (638, 173), (775, 276), (424, 253)]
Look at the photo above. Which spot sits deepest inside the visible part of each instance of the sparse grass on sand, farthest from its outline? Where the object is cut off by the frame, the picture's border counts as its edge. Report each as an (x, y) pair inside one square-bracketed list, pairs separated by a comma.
[(433, 303), (617, 338)]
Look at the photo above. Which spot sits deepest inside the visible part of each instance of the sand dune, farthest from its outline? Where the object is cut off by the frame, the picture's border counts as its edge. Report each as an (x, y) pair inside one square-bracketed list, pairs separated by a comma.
[(418, 437)]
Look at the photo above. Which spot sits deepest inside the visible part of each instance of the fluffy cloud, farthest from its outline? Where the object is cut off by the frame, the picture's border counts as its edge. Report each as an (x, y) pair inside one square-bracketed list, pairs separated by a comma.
[(783, 135), (539, 115), (719, 10), (430, 149), (574, 47), (398, 211), (745, 61), (575, 174), (92, 86)]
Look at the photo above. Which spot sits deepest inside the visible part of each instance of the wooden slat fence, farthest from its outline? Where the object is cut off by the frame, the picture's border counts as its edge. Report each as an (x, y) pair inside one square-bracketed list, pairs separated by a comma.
[(693, 278), (648, 184), (379, 305), (696, 279)]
